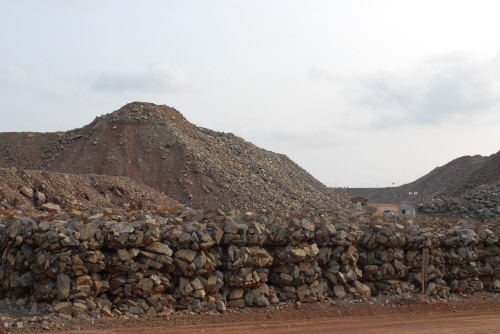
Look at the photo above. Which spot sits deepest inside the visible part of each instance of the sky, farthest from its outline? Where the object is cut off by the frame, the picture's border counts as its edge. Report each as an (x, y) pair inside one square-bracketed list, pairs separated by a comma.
[(359, 93)]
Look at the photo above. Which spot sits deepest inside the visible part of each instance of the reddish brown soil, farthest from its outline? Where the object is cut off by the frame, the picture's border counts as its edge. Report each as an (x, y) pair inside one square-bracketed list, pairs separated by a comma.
[(465, 322), (471, 314)]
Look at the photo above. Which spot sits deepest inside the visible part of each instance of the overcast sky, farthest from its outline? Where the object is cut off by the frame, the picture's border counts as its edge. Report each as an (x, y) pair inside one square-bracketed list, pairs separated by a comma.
[(358, 93)]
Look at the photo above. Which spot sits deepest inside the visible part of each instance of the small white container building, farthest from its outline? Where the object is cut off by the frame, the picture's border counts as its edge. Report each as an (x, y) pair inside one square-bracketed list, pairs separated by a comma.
[(406, 210)]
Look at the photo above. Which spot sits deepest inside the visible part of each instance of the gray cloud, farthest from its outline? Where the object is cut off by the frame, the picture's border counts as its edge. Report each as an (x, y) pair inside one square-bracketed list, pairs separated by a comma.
[(13, 77), (280, 137), (156, 78), (438, 90), (319, 73)]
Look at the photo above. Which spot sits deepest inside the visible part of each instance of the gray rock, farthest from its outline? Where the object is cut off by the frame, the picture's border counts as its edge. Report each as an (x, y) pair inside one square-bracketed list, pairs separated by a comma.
[(87, 232), (63, 286)]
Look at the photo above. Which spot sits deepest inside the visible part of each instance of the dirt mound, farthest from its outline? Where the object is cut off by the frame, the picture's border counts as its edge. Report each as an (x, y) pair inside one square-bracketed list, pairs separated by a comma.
[(29, 190), (155, 145)]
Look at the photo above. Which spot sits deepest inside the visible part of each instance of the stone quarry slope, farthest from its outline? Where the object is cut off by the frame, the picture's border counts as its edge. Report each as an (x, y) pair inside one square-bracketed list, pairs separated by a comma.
[(155, 145)]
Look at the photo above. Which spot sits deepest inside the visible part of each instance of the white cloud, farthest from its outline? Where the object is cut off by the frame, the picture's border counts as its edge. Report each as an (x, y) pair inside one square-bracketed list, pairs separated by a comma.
[(156, 78)]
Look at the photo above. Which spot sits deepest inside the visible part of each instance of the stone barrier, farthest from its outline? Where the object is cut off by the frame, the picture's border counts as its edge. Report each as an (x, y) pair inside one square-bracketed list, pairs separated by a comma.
[(141, 263)]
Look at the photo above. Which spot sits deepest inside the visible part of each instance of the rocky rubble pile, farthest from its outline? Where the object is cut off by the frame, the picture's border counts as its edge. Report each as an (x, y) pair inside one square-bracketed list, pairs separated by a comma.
[(480, 204), (142, 263)]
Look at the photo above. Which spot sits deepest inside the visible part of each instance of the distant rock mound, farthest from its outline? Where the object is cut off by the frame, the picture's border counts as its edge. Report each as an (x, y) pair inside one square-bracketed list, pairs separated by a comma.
[(453, 179), (155, 145)]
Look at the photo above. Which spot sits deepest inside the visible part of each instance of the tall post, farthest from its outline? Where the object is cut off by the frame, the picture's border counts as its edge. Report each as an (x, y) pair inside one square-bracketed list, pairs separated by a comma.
[(425, 268)]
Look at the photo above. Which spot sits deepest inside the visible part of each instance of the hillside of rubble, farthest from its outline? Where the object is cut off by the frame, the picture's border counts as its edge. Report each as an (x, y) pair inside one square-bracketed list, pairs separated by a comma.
[(156, 146)]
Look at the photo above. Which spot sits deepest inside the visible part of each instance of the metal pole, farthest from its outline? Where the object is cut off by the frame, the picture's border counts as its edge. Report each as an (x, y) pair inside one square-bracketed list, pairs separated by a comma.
[(425, 268)]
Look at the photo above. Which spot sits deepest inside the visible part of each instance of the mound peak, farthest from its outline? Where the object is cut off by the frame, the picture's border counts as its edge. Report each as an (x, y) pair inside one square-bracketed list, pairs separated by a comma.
[(144, 111)]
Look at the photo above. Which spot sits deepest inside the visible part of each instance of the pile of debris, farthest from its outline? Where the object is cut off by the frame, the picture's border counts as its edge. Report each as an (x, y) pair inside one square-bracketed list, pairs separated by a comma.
[(156, 146), (143, 263)]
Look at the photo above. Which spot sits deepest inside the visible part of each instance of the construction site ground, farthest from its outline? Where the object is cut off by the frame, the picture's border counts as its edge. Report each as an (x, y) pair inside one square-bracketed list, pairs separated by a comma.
[(476, 313), (463, 322), (380, 207)]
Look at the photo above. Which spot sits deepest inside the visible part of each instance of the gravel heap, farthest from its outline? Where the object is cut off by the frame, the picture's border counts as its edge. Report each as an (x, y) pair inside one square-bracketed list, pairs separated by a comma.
[(479, 204), (156, 146)]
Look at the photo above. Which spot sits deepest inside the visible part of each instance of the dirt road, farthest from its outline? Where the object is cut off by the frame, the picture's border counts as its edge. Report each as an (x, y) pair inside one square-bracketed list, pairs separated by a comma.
[(470, 314), (460, 322)]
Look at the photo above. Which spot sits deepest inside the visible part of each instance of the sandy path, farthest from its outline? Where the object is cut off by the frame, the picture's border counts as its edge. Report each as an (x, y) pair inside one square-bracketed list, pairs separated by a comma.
[(459, 322)]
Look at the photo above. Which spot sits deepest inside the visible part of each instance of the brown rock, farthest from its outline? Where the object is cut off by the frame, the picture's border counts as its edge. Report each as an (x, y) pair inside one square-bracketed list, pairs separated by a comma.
[(40, 198), (160, 248), (63, 286), (28, 192), (187, 255), (52, 207)]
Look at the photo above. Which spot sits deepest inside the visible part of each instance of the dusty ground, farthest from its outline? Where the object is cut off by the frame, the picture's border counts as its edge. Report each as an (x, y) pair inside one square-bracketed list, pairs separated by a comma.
[(460, 322), (460, 314), (381, 207)]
